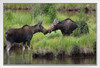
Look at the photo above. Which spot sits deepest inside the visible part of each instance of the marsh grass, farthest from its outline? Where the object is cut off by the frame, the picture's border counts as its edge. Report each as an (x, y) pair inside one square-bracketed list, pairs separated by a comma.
[(66, 43), (52, 41)]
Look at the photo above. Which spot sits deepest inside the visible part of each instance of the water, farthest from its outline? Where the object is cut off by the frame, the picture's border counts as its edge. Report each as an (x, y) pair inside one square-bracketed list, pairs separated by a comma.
[(16, 57)]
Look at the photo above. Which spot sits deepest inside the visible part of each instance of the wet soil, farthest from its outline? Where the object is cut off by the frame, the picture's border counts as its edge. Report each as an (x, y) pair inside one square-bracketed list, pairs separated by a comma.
[(76, 56), (76, 51), (87, 9)]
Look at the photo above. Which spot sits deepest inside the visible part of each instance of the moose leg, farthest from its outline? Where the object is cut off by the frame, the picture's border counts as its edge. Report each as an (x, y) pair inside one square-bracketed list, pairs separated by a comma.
[(63, 34), (28, 43), (23, 49), (66, 33), (7, 50), (29, 53), (23, 57)]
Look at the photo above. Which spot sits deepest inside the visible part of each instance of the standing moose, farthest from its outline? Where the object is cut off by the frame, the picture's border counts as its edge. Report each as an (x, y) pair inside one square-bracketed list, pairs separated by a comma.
[(23, 35), (66, 26)]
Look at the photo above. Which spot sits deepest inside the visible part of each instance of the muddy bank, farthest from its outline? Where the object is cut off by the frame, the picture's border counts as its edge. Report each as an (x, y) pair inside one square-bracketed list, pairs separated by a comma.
[(81, 51), (47, 56), (76, 9), (76, 51), (18, 8), (43, 54)]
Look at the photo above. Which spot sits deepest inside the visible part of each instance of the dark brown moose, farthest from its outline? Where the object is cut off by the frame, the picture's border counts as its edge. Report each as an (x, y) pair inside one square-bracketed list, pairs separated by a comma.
[(23, 35), (66, 26)]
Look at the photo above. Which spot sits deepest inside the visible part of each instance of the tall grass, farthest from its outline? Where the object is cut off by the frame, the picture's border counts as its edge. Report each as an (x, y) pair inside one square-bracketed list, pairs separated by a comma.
[(66, 43), (45, 10)]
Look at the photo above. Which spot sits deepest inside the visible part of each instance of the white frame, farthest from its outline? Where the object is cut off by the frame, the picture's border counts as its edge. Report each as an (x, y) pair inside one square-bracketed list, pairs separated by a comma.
[(49, 1)]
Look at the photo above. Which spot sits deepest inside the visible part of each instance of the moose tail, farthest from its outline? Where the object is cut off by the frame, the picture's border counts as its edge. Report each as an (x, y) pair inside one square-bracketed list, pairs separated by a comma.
[(6, 34)]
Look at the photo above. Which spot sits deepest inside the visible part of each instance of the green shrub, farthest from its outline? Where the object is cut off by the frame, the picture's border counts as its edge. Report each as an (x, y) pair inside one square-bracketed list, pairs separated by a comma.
[(81, 23), (52, 12), (48, 10), (76, 32), (82, 29), (53, 34)]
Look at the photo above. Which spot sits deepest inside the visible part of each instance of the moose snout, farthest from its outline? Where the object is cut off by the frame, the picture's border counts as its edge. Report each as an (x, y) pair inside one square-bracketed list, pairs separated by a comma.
[(49, 31)]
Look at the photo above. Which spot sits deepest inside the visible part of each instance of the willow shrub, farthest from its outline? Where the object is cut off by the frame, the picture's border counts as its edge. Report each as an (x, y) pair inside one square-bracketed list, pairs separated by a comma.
[(48, 10), (82, 29)]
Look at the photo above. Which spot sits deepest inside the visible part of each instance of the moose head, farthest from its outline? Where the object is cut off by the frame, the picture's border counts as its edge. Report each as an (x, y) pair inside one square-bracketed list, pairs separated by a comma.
[(66, 26), (40, 28), (53, 26)]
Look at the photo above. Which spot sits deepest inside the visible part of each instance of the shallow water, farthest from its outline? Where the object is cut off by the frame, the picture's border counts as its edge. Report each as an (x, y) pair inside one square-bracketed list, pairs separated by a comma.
[(17, 58)]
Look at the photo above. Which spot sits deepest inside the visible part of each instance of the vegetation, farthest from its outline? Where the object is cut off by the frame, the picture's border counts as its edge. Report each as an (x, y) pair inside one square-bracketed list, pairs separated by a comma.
[(45, 10), (47, 13), (63, 6)]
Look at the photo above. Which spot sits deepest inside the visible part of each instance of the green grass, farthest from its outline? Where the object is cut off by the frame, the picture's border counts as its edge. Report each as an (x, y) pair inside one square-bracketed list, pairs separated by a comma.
[(52, 41)]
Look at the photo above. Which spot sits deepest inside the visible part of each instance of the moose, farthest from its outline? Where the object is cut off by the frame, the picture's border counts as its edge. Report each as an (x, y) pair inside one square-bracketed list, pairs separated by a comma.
[(23, 35), (66, 26)]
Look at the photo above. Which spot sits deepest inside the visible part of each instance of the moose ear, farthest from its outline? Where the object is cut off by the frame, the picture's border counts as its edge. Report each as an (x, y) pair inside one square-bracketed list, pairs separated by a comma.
[(58, 20), (38, 22), (41, 23), (55, 21)]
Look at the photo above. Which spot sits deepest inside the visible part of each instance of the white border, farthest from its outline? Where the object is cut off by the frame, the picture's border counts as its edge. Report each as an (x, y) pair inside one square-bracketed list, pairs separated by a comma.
[(49, 1)]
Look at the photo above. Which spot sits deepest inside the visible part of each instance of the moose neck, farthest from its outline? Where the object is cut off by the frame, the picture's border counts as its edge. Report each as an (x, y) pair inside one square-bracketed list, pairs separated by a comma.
[(44, 31), (58, 26), (34, 30)]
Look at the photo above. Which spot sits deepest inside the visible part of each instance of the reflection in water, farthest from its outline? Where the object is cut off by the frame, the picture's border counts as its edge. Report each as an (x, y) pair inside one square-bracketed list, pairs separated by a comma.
[(67, 60), (23, 57), (29, 57), (18, 57), (7, 58)]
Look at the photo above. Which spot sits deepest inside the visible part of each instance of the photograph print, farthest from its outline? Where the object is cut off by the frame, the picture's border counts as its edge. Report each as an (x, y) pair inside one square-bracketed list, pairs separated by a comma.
[(49, 33)]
